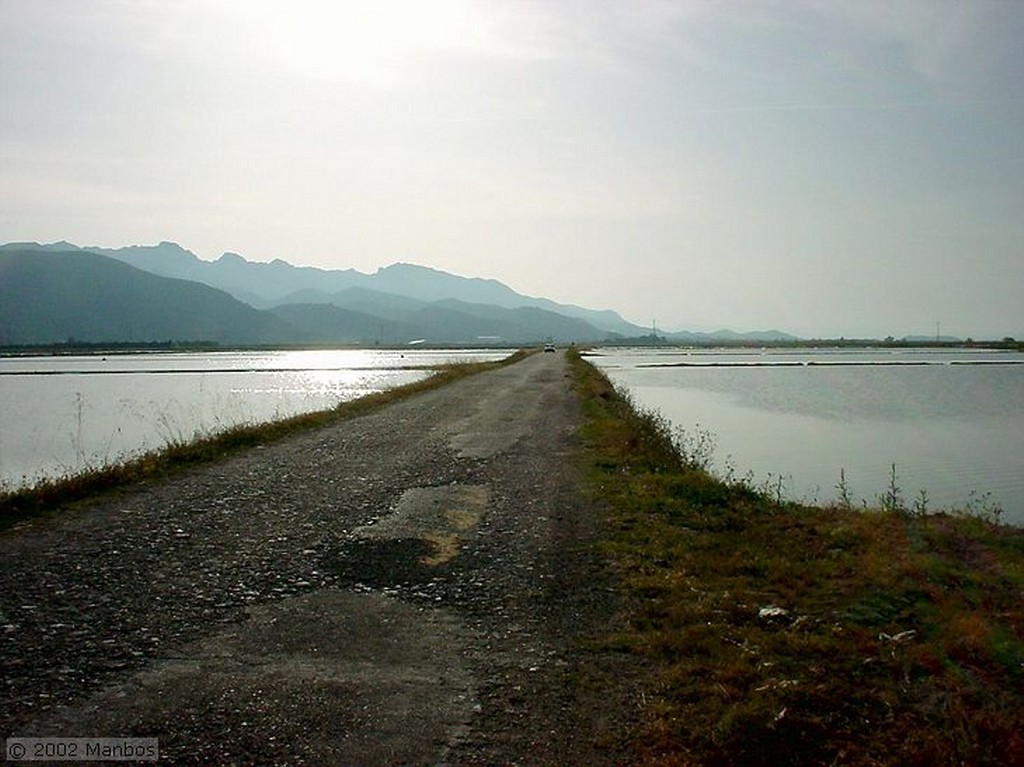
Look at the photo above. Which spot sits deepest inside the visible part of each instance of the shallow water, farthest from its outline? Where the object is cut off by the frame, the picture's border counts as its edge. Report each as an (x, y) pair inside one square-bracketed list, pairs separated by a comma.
[(63, 415), (952, 422)]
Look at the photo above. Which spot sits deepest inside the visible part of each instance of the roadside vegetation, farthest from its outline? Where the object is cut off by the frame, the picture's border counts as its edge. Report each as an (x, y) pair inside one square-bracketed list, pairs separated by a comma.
[(18, 504), (785, 634)]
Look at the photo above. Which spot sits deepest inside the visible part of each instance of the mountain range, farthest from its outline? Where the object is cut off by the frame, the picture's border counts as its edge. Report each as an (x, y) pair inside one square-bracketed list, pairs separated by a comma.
[(56, 292)]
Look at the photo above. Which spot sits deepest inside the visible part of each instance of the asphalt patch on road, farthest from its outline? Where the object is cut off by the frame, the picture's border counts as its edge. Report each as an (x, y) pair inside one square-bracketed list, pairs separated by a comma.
[(372, 563)]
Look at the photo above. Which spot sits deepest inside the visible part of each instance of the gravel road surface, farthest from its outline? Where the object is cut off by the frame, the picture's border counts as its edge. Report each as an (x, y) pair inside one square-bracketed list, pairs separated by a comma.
[(413, 586)]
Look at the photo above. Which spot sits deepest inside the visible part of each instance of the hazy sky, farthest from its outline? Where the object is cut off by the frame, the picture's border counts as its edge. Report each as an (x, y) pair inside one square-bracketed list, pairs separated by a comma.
[(822, 167)]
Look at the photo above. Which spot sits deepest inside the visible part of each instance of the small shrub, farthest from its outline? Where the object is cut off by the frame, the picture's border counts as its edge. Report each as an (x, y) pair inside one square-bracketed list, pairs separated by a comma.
[(892, 499), (696, 447)]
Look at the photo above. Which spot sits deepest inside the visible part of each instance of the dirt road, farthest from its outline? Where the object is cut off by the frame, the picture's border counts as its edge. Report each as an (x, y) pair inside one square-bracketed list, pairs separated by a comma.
[(408, 587)]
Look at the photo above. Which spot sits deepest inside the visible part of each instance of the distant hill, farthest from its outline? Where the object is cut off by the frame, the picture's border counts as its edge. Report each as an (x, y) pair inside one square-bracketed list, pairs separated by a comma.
[(393, 305), (754, 336), (398, 319), (402, 320), (328, 324), (266, 285), (360, 300), (53, 296)]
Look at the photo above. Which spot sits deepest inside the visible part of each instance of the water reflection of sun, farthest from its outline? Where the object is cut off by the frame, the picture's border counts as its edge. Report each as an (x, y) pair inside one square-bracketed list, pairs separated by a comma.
[(327, 359)]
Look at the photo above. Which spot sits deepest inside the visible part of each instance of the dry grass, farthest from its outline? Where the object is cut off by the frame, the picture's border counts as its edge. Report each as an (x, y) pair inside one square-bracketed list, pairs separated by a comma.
[(789, 635)]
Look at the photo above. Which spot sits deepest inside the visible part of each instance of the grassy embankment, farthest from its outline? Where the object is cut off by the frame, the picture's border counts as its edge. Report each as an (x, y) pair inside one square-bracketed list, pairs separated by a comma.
[(19, 504), (782, 634)]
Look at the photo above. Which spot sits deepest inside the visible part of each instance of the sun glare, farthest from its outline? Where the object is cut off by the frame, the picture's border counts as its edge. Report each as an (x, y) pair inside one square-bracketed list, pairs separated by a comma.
[(359, 40)]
